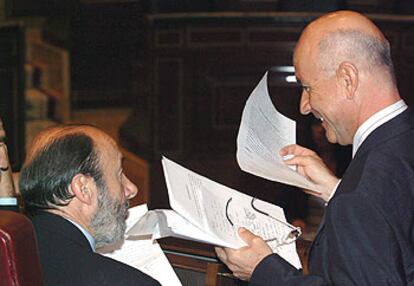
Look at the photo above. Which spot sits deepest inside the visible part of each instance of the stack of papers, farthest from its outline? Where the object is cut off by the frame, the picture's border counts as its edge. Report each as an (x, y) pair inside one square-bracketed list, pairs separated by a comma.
[(143, 254), (263, 132), (206, 211)]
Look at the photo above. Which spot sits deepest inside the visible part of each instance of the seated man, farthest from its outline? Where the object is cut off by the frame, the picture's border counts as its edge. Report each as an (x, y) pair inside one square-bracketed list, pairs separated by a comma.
[(76, 194), (8, 199)]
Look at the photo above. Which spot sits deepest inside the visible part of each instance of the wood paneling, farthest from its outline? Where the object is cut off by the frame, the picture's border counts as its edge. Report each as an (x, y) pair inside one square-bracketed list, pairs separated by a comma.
[(11, 86), (198, 71)]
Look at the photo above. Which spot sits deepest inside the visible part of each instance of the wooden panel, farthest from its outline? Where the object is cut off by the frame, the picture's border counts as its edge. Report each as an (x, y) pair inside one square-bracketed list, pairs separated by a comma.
[(198, 91), (53, 64), (168, 115), (214, 37), (227, 103), (201, 257), (275, 37), (407, 41), (169, 39), (11, 86)]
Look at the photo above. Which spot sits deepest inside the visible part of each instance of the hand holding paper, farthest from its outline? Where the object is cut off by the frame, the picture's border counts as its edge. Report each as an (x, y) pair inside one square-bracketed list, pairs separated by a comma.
[(206, 211), (310, 165), (243, 261), (263, 132)]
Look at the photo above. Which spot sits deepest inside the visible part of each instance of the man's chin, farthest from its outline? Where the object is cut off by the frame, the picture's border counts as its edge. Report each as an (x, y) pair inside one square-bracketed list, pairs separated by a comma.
[(330, 136)]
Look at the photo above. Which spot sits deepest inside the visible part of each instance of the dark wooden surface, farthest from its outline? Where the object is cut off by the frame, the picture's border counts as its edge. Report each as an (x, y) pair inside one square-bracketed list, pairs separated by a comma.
[(200, 257)]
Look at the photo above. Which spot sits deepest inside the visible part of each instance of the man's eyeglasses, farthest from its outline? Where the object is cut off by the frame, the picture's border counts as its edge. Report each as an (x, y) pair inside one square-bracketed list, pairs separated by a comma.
[(288, 238)]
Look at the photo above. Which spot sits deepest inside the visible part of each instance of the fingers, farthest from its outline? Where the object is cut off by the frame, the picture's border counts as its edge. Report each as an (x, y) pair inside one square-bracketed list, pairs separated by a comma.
[(311, 192), (310, 165), (244, 260), (221, 254), (238, 261), (4, 161), (295, 150), (246, 235), (6, 179), (2, 132)]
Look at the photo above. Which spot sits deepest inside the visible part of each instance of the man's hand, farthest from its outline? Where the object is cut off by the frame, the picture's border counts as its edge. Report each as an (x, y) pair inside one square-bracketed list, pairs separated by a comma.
[(244, 260), (310, 165), (6, 178)]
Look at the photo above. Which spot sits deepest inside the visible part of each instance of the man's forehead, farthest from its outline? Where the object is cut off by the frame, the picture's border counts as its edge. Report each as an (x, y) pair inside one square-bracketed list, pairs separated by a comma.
[(303, 59), (108, 149)]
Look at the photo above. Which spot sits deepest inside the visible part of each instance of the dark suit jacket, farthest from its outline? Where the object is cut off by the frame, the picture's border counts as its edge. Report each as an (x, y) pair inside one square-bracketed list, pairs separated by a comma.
[(367, 235), (9, 208), (67, 258)]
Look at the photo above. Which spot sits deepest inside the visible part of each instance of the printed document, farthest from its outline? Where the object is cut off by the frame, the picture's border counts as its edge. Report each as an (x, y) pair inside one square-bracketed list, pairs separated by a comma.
[(263, 132), (143, 254), (206, 211)]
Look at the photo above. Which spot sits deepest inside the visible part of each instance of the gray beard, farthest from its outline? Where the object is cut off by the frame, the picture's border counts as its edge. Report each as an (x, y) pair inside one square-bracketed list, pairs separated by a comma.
[(108, 223)]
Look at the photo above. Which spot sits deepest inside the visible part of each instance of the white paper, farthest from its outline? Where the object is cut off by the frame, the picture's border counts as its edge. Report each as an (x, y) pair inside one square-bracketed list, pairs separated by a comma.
[(263, 132), (202, 209), (143, 254)]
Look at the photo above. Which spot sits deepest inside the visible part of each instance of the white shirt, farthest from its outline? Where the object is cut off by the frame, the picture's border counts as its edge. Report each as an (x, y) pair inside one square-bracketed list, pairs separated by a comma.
[(376, 121), (8, 201), (370, 125)]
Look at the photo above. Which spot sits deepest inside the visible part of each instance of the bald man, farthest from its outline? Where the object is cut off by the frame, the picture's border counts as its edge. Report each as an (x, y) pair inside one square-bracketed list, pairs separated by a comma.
[(76, 193), (367, 235)]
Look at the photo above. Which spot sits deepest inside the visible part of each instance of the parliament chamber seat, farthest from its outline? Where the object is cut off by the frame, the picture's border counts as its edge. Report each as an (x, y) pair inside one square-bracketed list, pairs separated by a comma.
[(19, 260)]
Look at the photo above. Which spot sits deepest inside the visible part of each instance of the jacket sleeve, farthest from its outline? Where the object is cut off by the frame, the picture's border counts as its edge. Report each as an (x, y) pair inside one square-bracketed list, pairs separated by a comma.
[(362, 250), (9, 204), (274, 270), (363, 247)]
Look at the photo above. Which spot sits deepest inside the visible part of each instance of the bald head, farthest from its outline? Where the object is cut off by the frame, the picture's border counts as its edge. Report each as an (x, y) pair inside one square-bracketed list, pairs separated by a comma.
[(55, 157), (345, 20), (346, 36), (343, 62)]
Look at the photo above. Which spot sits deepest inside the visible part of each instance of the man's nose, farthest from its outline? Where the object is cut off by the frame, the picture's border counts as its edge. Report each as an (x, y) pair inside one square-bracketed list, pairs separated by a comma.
[(130, 189), (305, 107)]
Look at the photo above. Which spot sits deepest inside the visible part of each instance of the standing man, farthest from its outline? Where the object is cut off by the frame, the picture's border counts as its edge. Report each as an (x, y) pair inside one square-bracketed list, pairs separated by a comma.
[(76, 193), (367, 236)]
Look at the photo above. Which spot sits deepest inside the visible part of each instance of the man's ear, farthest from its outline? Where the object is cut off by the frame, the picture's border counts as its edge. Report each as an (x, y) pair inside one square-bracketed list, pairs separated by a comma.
[(348, 77), (81, 188)]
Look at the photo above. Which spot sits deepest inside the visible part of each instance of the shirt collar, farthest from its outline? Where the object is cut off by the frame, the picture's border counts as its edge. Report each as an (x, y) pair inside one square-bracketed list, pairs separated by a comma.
[(375, 121), (88, 236)]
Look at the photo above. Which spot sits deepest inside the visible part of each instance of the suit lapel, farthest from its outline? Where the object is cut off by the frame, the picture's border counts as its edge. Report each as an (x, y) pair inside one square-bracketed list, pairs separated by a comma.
[(391, 129)]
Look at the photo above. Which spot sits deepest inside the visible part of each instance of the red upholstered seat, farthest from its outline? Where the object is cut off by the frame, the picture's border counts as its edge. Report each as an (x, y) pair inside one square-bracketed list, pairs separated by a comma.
[(19, 260)]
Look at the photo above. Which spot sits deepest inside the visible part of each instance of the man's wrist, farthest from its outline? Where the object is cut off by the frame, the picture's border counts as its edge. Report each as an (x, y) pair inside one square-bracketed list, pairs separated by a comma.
[(333, 192)]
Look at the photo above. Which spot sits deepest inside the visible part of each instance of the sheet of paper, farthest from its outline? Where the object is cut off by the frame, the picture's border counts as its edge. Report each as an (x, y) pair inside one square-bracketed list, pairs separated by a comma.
[(143, 254), (263, 132), (165, 223), (219, 211)]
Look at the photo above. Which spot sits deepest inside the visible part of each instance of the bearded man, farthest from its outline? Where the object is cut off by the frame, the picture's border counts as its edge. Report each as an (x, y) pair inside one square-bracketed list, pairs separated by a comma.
[(76, 194)]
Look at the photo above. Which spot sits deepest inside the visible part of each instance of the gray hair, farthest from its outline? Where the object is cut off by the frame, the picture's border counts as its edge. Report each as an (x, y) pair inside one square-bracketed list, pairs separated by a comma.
[(365, 51)]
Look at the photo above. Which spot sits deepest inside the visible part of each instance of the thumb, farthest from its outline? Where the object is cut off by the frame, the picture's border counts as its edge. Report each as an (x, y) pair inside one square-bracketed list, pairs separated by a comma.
[(246, 235)]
